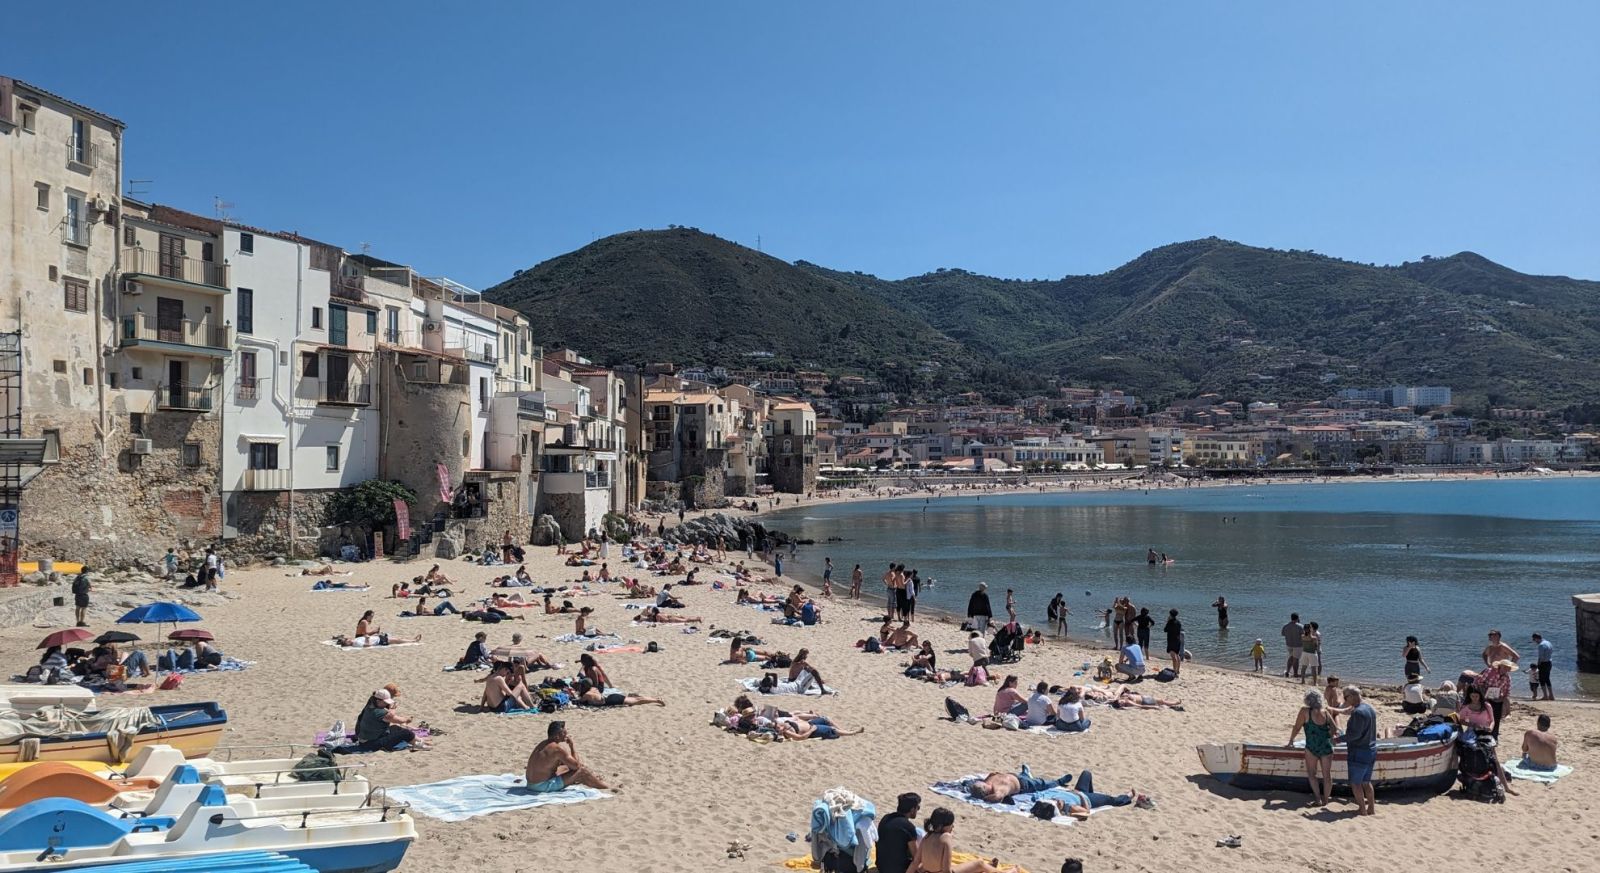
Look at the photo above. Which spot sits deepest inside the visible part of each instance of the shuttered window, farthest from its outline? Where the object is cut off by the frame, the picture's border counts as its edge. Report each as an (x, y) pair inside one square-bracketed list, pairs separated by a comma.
[(76, 295)]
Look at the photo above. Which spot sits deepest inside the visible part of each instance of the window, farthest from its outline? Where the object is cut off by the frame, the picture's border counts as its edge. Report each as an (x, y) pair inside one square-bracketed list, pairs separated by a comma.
[(316, 318), (483, 390), (88, 375), (309, 365), (333, 458), (419, 371), (372, 323), (59, 366), (191, 454), (43, 192), (52, 446), (28, 113), (130, 235), (136, 423), (111, 378), (136, 373), (77, 231), (466, 445), (76, 292), (788, 426), (80, 141), (247, 375), (245, 318), (247, 246), (263, 456), (206, 252)]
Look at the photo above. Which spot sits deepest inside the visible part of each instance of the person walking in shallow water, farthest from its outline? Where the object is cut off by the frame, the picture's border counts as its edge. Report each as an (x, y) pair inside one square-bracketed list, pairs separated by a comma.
[(1221, 606)]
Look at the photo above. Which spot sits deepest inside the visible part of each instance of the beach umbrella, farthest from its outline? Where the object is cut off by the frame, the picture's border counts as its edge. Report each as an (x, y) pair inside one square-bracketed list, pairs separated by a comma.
[(159, 612), (117, 637), (191, 633), (65, 637)]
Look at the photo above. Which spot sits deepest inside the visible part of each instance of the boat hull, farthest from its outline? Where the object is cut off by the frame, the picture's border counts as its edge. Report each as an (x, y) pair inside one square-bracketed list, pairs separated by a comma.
[(193, 730), (1401, 767)]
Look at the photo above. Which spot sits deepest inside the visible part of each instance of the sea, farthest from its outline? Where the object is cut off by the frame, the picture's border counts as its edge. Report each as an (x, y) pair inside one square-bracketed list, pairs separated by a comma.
[(1370, 562)]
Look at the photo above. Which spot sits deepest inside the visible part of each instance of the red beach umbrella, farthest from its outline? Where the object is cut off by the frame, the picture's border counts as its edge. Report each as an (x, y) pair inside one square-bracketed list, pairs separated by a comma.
[(191, 633), (66, 637)]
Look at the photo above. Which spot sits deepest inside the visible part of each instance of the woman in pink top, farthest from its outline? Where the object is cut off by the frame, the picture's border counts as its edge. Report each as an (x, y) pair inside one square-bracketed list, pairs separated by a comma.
[(1009, 699), (1476, 714)]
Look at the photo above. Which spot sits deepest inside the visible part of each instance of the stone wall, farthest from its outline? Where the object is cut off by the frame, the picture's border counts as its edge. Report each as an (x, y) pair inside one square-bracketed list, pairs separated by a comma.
[(662, 492), (122, 509), (708, 491), (265, 519), (423, 423)]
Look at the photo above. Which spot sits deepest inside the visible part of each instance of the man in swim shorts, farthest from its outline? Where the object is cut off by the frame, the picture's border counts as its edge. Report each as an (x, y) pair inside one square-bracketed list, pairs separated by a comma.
[(1000, 787), (554, 764)]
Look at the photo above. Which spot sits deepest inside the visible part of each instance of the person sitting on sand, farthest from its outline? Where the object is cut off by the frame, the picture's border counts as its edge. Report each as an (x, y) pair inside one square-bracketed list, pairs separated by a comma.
[(815, 728), (582, 628), (1477, 713), (1446, 700), (502, 693), (1000, 787), (900, 637), (381, 727), (525, 657), (435, 576), (654, 615), (1130, 699), (588, 695), (1415, 699), (365, 627), (553, 768), (934, 851), (633, 590), (666, 600), (477, 652), (551, 609), (926, 658), (1041, 710), (1008, 699), (593, 672), (1069, 711), (1539, 747)]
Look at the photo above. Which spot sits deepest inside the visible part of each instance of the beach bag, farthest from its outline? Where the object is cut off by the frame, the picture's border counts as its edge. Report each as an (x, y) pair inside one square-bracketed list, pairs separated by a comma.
[(872, 645), (318, 766), (1166, 675), (769, 681), (1434, 733), (956, 710), (172, 681), (977, 676)]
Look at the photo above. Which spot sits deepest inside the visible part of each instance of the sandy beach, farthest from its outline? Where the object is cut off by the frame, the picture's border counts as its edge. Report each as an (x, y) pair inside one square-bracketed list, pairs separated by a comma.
[(687, 790)]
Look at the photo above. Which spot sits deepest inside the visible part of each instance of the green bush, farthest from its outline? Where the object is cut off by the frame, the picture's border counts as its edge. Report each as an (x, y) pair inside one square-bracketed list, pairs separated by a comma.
[(370, 504)]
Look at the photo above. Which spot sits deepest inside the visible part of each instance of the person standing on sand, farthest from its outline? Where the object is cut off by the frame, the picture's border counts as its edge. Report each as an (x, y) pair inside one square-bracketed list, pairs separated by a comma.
[(856, 578), (1142, 624), (1011, 605), (912, 588), (1174, 631), (1320, 727), (1546, 658), (1293, 639), (890, 598), (827, 578), (552, 768), (1361, 741), (1221, 606), (979, 612), (80, 595)]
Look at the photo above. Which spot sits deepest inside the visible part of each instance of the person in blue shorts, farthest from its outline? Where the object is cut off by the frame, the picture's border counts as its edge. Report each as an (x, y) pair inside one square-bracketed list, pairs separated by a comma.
[(814, 728), (554, 764), (1361, 743)]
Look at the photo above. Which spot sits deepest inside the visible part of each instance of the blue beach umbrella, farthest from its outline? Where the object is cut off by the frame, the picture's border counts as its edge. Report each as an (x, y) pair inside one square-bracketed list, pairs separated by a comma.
[(159, 612)]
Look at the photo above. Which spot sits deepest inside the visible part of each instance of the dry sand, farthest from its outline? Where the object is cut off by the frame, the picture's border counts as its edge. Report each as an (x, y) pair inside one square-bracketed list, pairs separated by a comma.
[(688, 790)]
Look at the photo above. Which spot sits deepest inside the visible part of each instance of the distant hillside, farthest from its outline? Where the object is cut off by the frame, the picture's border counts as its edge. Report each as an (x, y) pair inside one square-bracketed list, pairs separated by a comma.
[(1195, 316)]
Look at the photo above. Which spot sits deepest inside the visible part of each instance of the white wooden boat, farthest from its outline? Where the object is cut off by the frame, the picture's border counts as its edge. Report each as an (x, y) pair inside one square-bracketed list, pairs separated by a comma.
[(1404, 764)]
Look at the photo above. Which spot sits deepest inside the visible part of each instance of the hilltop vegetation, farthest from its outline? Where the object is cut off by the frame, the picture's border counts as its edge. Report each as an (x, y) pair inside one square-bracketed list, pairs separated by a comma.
[(1205, 315)]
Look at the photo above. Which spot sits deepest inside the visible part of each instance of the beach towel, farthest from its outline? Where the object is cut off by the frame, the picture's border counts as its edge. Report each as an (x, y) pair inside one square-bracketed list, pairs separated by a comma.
[(625, 648), (956, 859), (956, 789), (753, 684), (341, 588), (1515, 770), (365, 648), (228, 665), (597, 638), (463, 797), (1050, 730)]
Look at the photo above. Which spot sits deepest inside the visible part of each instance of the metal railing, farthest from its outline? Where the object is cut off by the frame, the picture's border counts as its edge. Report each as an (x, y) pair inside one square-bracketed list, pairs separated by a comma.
[(247, 388), (182, 395), (85, 153), (593, 479), (350, 392), (149, 263), (348, 288), (184, 332)]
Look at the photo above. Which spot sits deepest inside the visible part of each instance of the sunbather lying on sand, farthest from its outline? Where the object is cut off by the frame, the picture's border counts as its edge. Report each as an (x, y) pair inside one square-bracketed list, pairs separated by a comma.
[(654, 614), (588, 695), (817, 728), (1000, 787), (370, 640), (744, 596), (741, 652), (1130, 699), (324, 570)]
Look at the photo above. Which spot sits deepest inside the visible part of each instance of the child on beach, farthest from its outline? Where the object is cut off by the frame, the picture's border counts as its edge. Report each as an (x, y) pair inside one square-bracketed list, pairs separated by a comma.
[(1258, 653)]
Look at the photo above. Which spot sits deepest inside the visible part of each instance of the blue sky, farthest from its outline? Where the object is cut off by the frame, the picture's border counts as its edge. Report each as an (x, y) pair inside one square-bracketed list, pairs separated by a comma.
[(1016, 139)]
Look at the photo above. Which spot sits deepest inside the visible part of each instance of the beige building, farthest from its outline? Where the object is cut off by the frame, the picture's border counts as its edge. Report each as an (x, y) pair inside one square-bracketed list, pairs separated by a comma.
[(1222, 449)]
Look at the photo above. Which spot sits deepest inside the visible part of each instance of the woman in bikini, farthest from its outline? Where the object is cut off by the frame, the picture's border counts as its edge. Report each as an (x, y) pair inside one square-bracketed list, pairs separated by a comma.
[(654, 615), (934, 849), (1320, 728), (593, 672)]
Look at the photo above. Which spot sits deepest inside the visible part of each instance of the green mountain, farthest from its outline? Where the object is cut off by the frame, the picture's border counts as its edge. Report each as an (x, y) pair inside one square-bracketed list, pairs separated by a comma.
[(1205, 315)]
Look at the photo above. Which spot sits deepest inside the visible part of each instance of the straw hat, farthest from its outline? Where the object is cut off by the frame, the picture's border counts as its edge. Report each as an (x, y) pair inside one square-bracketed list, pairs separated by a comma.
[(1511, 666)]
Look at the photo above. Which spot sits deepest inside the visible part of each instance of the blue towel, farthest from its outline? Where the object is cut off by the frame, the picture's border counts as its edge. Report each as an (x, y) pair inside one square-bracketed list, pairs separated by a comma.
[(463, 797), (1020, 804)]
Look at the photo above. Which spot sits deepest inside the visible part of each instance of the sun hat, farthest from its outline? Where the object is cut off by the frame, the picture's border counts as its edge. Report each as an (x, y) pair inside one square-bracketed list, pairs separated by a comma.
[(1511, 666), (382, 695)]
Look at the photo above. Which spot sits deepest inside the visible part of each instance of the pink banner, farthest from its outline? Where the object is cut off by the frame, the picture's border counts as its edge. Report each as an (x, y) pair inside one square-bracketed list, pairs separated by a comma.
[(402, 518), (445, 491)]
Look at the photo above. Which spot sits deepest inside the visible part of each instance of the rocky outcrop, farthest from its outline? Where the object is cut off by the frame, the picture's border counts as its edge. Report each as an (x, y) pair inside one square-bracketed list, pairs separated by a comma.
[(735, 531), (546, 531)]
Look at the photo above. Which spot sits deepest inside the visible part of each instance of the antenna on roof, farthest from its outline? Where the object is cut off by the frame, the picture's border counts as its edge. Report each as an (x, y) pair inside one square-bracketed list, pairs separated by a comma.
[(366, 248), (758, 242), (138, 183), (221, 206)]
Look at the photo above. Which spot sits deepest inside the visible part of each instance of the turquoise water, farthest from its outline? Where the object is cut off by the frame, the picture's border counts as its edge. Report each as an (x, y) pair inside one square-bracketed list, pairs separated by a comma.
[(1370, 562)]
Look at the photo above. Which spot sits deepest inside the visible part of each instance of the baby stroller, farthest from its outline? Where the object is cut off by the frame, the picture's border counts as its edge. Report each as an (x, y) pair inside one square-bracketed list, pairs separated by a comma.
[(1478, 768), (1006, 647)]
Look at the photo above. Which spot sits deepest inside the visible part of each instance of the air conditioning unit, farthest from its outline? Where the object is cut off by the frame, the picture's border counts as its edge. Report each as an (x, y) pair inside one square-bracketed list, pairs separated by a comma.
[(430, 327), (140, 447), (132, 286), (101, 203)]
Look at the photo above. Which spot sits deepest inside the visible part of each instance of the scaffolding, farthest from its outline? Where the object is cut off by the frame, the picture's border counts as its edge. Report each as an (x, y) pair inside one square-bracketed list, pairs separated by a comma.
[(11, 460)]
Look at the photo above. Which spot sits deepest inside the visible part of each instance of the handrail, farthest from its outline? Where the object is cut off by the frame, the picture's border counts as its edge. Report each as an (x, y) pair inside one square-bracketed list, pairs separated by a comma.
[(305, 814)]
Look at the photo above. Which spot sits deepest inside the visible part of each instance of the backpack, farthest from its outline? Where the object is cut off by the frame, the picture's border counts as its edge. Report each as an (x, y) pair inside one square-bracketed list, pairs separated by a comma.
[(1166, 675), (956, 710), (318, 766), (872, 645)]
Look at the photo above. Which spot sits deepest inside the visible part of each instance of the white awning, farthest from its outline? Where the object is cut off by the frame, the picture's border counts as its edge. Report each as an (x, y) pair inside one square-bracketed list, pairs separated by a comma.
[(263, 438)]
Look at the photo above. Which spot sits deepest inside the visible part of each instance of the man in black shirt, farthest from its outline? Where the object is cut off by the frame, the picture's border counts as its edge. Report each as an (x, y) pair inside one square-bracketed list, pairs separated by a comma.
[(897, 835), (80, 596)]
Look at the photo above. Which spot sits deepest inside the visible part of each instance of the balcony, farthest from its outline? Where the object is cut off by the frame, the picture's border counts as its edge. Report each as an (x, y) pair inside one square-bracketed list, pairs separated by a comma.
[(184, 397), (247, 389), (199, 337), (576, 482), (336, 392), (190, 271), (352, 288), (266, 480), (82, 155)]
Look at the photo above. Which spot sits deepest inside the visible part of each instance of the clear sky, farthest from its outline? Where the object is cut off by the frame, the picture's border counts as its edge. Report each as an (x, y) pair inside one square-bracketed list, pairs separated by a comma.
[(1016, 139)]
